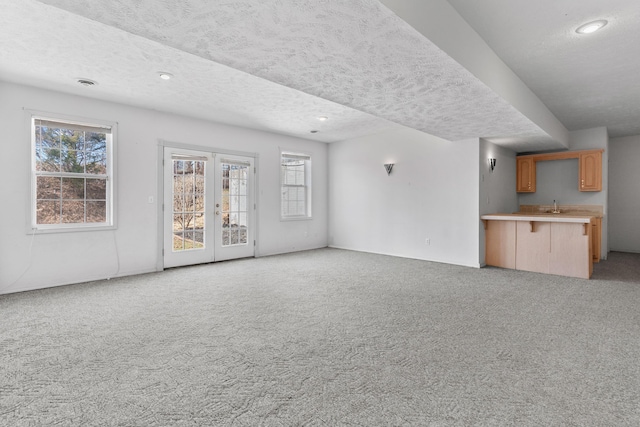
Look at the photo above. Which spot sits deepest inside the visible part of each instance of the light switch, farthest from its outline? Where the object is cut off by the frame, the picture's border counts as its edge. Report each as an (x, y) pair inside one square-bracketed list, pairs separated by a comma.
[(150, 199)]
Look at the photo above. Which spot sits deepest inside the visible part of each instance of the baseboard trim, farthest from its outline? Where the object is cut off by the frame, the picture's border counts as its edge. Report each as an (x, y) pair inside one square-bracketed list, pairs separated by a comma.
[(75, 282)]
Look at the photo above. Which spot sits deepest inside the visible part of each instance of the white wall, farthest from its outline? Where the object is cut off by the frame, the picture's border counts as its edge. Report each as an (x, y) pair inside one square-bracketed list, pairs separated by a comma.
[(43, 260), (431, 193), (497, 188), (624, 194), (558, 179)]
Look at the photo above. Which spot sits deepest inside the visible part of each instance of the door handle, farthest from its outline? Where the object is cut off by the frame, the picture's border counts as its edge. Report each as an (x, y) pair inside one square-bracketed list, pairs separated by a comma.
[(217, 212)]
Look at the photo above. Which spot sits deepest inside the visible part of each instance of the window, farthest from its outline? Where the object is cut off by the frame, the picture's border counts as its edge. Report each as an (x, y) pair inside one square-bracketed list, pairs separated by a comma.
[(72, 174), (295, 179)]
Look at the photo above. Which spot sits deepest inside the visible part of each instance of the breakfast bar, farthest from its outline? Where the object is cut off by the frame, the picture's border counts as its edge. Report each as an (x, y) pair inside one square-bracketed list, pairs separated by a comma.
[(543, 243)]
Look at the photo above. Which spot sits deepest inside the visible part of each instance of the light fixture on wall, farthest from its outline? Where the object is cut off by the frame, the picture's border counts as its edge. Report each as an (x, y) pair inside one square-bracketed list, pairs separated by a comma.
[(388, 167), (86, 82), (492, 163)]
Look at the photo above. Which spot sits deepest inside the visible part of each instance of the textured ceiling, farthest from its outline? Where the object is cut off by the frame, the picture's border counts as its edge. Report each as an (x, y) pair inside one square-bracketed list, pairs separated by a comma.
[(355, 53), (48, 47), (585, 80)]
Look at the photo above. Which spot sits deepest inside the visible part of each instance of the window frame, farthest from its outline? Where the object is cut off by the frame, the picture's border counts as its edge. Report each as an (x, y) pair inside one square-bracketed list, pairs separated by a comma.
[(307, 185), (111, 144)]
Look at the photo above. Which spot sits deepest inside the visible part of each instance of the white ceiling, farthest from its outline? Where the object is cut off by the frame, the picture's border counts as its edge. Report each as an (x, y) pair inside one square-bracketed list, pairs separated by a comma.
[(277, 65), (585, 80)]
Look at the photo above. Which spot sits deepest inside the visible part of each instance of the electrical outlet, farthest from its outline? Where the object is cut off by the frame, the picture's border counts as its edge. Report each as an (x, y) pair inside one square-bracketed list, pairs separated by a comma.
[(427, 241), (150, 200)]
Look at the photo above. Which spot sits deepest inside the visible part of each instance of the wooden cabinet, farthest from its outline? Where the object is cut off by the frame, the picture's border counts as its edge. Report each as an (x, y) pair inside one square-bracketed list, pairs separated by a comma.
[(553, 245), (596, 237), (500, 243), (526, 175), (590, 171)]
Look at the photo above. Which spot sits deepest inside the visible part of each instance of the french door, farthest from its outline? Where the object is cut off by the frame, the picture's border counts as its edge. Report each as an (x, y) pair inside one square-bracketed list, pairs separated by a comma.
[(209, 207)]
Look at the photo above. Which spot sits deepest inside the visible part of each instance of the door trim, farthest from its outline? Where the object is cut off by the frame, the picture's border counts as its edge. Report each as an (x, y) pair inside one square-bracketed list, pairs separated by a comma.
[(159, 200)]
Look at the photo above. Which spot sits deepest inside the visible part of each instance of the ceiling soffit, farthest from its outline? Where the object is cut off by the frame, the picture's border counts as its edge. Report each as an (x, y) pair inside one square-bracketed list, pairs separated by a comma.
[(356, 53)]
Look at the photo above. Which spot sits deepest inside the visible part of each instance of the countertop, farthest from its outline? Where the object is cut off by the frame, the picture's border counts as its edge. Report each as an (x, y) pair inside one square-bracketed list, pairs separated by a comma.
[(540, 217)]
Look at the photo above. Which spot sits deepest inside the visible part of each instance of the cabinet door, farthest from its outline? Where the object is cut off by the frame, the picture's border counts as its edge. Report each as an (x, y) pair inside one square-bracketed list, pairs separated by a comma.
[(590, 171), (597, 239), (526, 175)]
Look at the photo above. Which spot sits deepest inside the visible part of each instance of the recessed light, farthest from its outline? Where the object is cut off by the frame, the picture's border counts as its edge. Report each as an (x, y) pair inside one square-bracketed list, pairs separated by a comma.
[(323, 118), (591, 27), (165, 76), (87, 82)]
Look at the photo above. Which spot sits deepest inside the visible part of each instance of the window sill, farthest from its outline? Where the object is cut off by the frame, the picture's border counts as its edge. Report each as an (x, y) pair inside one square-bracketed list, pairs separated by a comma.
[(70, 229), (295, 218)]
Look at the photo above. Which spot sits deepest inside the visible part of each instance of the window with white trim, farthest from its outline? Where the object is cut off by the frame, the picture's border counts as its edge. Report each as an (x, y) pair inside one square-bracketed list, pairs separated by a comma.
[(72, 174), (295, 181)]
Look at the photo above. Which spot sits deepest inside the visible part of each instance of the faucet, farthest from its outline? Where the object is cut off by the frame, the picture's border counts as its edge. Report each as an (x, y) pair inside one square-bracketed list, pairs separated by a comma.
[(555, 207)]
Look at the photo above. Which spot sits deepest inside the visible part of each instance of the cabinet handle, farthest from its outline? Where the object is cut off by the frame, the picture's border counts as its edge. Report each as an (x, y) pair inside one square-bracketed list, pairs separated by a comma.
[(582, 182)]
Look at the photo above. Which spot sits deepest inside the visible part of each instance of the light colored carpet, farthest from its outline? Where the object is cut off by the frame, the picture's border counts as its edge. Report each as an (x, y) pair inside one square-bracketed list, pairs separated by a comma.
[(326, 337)]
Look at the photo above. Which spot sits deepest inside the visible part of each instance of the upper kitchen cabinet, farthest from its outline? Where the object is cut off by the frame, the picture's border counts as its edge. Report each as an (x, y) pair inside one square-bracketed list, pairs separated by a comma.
[(590, 170), (526, 175)]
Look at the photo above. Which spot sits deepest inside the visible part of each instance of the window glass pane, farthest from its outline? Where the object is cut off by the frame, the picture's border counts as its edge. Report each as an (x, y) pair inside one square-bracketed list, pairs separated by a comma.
[(233, 219), (189, 202), (48, 212), (96, 152), (178, 167), (72, 161), (191, 165), (199, 203), (199, 184), (72, 140), (73, 188), (200, 168), (96, 211), (95, 142), (198, 222), (178, 242), (178, 203), (96, 163), (178, 184), (48, 187), (47, 137), (47, 159), (178, 222), (225, 201), (96, 189), (189, 242), (198, 237), (189, 184), (72, 211), (189, 222)]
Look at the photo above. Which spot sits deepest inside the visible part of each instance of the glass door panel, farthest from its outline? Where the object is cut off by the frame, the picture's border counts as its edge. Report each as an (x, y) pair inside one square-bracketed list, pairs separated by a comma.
[(188, 180), (236, 207)]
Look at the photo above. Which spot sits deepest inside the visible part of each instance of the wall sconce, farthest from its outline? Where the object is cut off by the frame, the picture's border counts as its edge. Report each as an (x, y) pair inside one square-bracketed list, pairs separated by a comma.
[(492, 164), (388, 167)]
